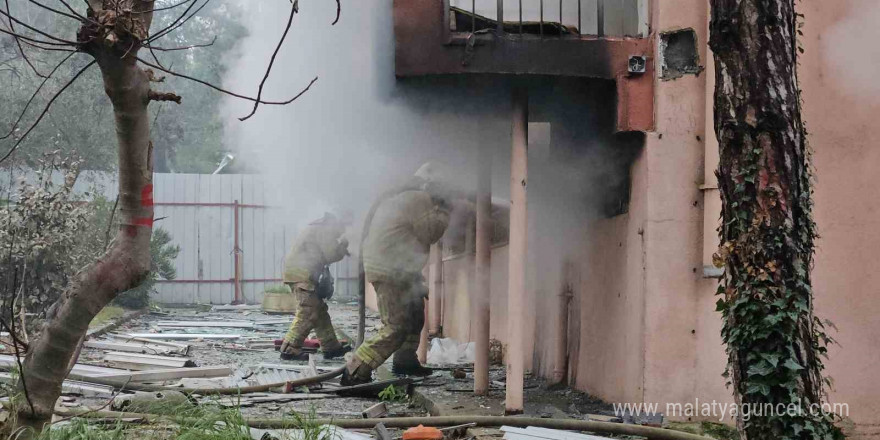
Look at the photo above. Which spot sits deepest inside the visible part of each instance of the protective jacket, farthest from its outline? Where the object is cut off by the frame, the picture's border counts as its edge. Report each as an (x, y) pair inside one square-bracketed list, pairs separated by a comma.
[(401, 234), (314, 248)]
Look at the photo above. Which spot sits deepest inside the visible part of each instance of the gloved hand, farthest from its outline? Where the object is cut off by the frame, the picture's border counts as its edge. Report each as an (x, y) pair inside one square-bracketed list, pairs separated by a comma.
[(287, 347)]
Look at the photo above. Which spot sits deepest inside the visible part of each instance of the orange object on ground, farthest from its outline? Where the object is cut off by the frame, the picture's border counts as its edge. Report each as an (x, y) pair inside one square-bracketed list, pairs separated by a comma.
[(422, 432)]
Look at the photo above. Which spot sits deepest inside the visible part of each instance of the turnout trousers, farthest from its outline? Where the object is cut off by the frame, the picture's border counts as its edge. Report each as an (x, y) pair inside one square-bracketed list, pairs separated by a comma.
[(311, 314), (402, 310)]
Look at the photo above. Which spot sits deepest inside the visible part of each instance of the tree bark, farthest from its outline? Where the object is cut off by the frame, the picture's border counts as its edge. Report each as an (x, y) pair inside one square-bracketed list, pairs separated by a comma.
[(774, 342), (126, 263)]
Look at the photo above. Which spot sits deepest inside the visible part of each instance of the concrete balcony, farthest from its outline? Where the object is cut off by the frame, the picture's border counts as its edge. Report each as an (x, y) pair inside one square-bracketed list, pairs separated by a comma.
[(526, 37)]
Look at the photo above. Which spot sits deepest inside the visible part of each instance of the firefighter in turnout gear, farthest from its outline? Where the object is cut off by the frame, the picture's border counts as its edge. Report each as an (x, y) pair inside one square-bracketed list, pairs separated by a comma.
[(396, 249), (306, 272)]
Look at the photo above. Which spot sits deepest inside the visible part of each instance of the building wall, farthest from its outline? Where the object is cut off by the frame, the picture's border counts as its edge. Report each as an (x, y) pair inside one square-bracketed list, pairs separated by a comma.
[(841, 101), (643, 320)]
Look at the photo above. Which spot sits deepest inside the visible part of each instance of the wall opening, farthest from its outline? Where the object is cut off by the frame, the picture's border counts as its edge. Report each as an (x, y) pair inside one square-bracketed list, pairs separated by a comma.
[(680, 55)]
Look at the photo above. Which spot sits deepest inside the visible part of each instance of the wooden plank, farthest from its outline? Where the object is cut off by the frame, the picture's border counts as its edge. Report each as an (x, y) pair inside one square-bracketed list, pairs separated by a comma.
[(219, 324), (8, 361), (72, 387), (170, 374), (181, 348), (128, 347), (241, 308), (533, 433), (184, 336), (137, 361)]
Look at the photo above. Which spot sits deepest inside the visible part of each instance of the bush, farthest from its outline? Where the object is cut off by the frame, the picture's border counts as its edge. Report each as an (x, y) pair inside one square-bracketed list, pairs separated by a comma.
[(162, 255), (278, 288)]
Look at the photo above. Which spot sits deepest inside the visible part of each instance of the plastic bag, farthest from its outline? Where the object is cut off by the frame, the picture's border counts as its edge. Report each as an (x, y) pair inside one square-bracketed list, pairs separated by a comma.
[(449, 351)]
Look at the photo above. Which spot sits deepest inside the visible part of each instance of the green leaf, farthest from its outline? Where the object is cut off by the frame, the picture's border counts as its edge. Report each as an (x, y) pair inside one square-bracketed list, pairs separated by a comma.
[(762, 368), (791, 364), (773, 359)]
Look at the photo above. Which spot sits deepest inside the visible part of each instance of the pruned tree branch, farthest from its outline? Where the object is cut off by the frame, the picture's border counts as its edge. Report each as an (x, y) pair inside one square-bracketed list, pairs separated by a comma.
[(26, 39), (165, 8), (21, 49), (164, 96), (33, 96), (338, 12), (73, 11), (222, 90), (45, 110), (179, 21), (38, 31), (56, 11), (293, 11), (172, 49)]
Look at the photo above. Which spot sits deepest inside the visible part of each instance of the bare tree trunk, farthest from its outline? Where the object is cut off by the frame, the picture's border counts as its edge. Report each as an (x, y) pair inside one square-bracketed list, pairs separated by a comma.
[(774, 341), (126, 263)]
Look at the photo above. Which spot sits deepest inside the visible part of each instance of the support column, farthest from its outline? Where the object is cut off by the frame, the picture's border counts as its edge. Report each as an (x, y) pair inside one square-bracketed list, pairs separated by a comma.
[(435, 280), (518, 248), (560, 365), (422, 352), (481, 297)]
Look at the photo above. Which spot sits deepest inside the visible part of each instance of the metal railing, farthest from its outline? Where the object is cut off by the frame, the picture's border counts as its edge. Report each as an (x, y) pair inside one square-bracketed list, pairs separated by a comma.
[(600, 18)]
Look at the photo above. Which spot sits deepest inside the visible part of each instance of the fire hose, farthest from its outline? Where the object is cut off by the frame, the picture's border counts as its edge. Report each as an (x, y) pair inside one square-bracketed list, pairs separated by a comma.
[(120, 383)]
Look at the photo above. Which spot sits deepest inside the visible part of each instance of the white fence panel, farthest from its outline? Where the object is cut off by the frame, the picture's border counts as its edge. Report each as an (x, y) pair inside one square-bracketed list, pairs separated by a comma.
[(199, 214)]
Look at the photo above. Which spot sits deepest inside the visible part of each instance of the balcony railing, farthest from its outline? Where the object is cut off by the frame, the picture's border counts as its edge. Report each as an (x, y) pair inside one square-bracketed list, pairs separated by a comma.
[(550, 18)]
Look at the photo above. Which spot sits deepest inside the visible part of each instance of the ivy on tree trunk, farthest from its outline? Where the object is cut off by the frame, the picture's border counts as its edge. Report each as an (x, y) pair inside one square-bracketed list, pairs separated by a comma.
[(775, 343)]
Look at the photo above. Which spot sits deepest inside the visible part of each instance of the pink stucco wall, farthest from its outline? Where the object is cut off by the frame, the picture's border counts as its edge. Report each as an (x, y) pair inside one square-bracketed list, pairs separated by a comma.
[(643, 320), (841, 115)]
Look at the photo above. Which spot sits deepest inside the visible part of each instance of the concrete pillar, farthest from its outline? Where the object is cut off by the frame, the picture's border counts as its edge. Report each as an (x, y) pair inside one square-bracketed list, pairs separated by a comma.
[(518, 248), (422, 352), (480, 299), (560, 364), (435, 289)]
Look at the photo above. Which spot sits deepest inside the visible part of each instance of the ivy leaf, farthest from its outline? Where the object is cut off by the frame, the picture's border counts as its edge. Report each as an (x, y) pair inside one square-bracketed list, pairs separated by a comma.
[(763, 368), (773, 319), (773, 359), (791, 364), (758, 388)]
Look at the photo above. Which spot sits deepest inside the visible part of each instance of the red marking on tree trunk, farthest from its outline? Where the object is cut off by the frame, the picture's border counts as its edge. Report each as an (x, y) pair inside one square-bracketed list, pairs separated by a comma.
[(147, 197), (144, 221)]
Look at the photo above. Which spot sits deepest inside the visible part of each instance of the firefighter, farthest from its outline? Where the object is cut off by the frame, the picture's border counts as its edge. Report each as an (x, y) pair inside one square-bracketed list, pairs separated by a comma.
[(314, 249), (395, 251)]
